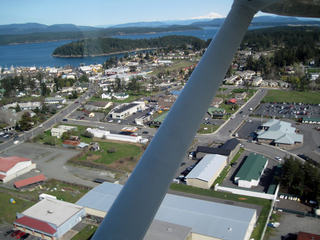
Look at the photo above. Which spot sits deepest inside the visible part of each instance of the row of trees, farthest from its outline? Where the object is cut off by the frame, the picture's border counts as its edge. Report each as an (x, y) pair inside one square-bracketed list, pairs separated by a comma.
[(301, 178), (95, 46)]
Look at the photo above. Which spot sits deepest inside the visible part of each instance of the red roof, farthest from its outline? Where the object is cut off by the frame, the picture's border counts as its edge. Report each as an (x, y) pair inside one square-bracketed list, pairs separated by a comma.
[(29, 181), (35, 224), (307, 236), (7, 163), (232, 100), (69, 142), (2, 176)]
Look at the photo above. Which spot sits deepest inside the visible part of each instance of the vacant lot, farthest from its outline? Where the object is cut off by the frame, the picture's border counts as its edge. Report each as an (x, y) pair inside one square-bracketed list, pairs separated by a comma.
[(292, 97)]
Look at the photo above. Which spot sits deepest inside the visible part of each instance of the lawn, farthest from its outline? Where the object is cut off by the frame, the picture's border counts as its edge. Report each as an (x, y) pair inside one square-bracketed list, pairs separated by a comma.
[(86, 233), (8, 210), (292, 96), (257, 232), (207, 128), (225, 171), (121, 150), (176, 66)]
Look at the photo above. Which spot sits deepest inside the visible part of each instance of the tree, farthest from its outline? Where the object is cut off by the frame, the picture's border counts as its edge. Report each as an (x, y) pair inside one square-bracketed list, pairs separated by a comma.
[(18, 108), (84, 78), (25, 122), (44, 89)]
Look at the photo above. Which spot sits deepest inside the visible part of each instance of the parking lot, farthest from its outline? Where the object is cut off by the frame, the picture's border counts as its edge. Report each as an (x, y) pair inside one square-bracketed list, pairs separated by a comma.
[(288, 110)]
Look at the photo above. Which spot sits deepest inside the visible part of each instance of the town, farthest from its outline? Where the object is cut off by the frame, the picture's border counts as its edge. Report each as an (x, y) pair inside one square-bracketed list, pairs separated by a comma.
[(71, 137)]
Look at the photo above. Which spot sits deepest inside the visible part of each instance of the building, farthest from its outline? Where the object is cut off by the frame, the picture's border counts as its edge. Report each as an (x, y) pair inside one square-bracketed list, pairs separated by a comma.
[(208, 220), (126, 110), (115, 137), (308, 236), (30, 182), (280, 134), (49, 218), (232, 145), (206, 171), (57, 132), (141, 120), (12, 167), (74, 144), (55, 100), (311, 120), (251, 171), (68, 128), (216, 112), (156, 122)]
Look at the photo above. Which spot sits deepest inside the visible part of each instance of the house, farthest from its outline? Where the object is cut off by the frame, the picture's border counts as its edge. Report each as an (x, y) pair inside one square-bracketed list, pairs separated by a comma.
[(12, 167), (216, 102), (256, 81), (251, 171), (74, 144), (206, 171), (101, 104), (232, 101), (94, 147), (240, 96), (119, 96), (57, 132), (88, 113), (11, 117)]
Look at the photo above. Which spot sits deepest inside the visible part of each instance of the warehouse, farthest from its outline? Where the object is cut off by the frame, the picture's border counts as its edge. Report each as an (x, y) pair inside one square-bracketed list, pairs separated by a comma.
[(126, 110), (12, 167), (251, 171), (208, 220), (206, 171), (49, 218)]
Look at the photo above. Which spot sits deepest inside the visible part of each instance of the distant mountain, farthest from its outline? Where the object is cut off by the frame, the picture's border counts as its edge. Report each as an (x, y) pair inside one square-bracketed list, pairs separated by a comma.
[(28, 28), (140, 24), (262, 21)]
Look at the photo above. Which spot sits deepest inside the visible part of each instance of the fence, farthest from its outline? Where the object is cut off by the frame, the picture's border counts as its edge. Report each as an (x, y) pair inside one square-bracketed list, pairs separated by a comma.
[(245, 192), (297, 212)]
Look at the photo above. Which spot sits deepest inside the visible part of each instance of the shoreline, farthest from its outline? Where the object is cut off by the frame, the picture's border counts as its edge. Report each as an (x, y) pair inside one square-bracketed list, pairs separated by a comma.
[(103, 54)]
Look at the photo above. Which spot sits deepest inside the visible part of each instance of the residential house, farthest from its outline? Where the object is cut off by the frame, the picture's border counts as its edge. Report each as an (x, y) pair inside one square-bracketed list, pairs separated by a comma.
[(216, 102), (216, 112)]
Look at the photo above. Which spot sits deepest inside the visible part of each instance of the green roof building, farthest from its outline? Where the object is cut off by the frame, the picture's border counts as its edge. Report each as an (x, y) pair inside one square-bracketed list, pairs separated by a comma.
[(251, 171), (216, 112), (158, 120)]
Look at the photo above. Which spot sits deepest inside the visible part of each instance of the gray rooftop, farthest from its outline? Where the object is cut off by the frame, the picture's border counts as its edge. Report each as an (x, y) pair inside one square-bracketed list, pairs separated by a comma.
[(206, 218), (207, 167)]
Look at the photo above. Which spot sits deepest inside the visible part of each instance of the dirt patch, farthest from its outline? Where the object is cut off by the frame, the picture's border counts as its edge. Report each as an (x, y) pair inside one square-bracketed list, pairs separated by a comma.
[(125, 164), (92, 158)]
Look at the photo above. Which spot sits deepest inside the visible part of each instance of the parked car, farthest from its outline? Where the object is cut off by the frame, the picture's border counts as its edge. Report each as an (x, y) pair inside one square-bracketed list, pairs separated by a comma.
[(77, 102), (19, 235), (278, 158), (145, 132), (15, 233), (234, 164), (182, 164), (81, 118), (25, 236), (8, 232)]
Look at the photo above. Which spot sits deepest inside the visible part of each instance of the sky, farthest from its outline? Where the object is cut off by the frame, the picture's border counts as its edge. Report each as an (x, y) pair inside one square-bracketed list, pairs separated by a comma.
[(107, 12)]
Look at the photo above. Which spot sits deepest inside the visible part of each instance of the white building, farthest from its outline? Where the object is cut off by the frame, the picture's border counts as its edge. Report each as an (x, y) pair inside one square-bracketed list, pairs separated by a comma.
[(126, 110), (55, 100), (116, 137), (12, 167), (57, 132), (206, 171)]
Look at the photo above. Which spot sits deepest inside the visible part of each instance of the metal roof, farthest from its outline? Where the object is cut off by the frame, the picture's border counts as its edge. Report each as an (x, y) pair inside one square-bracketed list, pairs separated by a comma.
[(28, 181), (252, 167), (6, 163), (35, 224), (206, 218), (207, 167), (125, 108)]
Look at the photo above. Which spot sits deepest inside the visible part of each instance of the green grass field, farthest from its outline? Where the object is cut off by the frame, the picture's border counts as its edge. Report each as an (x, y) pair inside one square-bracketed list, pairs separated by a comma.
[(122, 150), (86, 233), (176, 66), (292, 96), (8, 210)]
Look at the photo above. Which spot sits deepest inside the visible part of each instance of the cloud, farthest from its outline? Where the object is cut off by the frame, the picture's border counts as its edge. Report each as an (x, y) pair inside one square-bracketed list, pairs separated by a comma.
[(211, 15)]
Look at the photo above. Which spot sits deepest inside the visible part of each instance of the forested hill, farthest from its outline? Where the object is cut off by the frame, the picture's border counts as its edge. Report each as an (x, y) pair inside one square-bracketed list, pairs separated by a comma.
[(81, 34), (101, 46)]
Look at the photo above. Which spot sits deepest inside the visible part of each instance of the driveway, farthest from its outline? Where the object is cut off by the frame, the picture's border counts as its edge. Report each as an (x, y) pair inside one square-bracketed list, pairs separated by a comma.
[(50, 161)]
